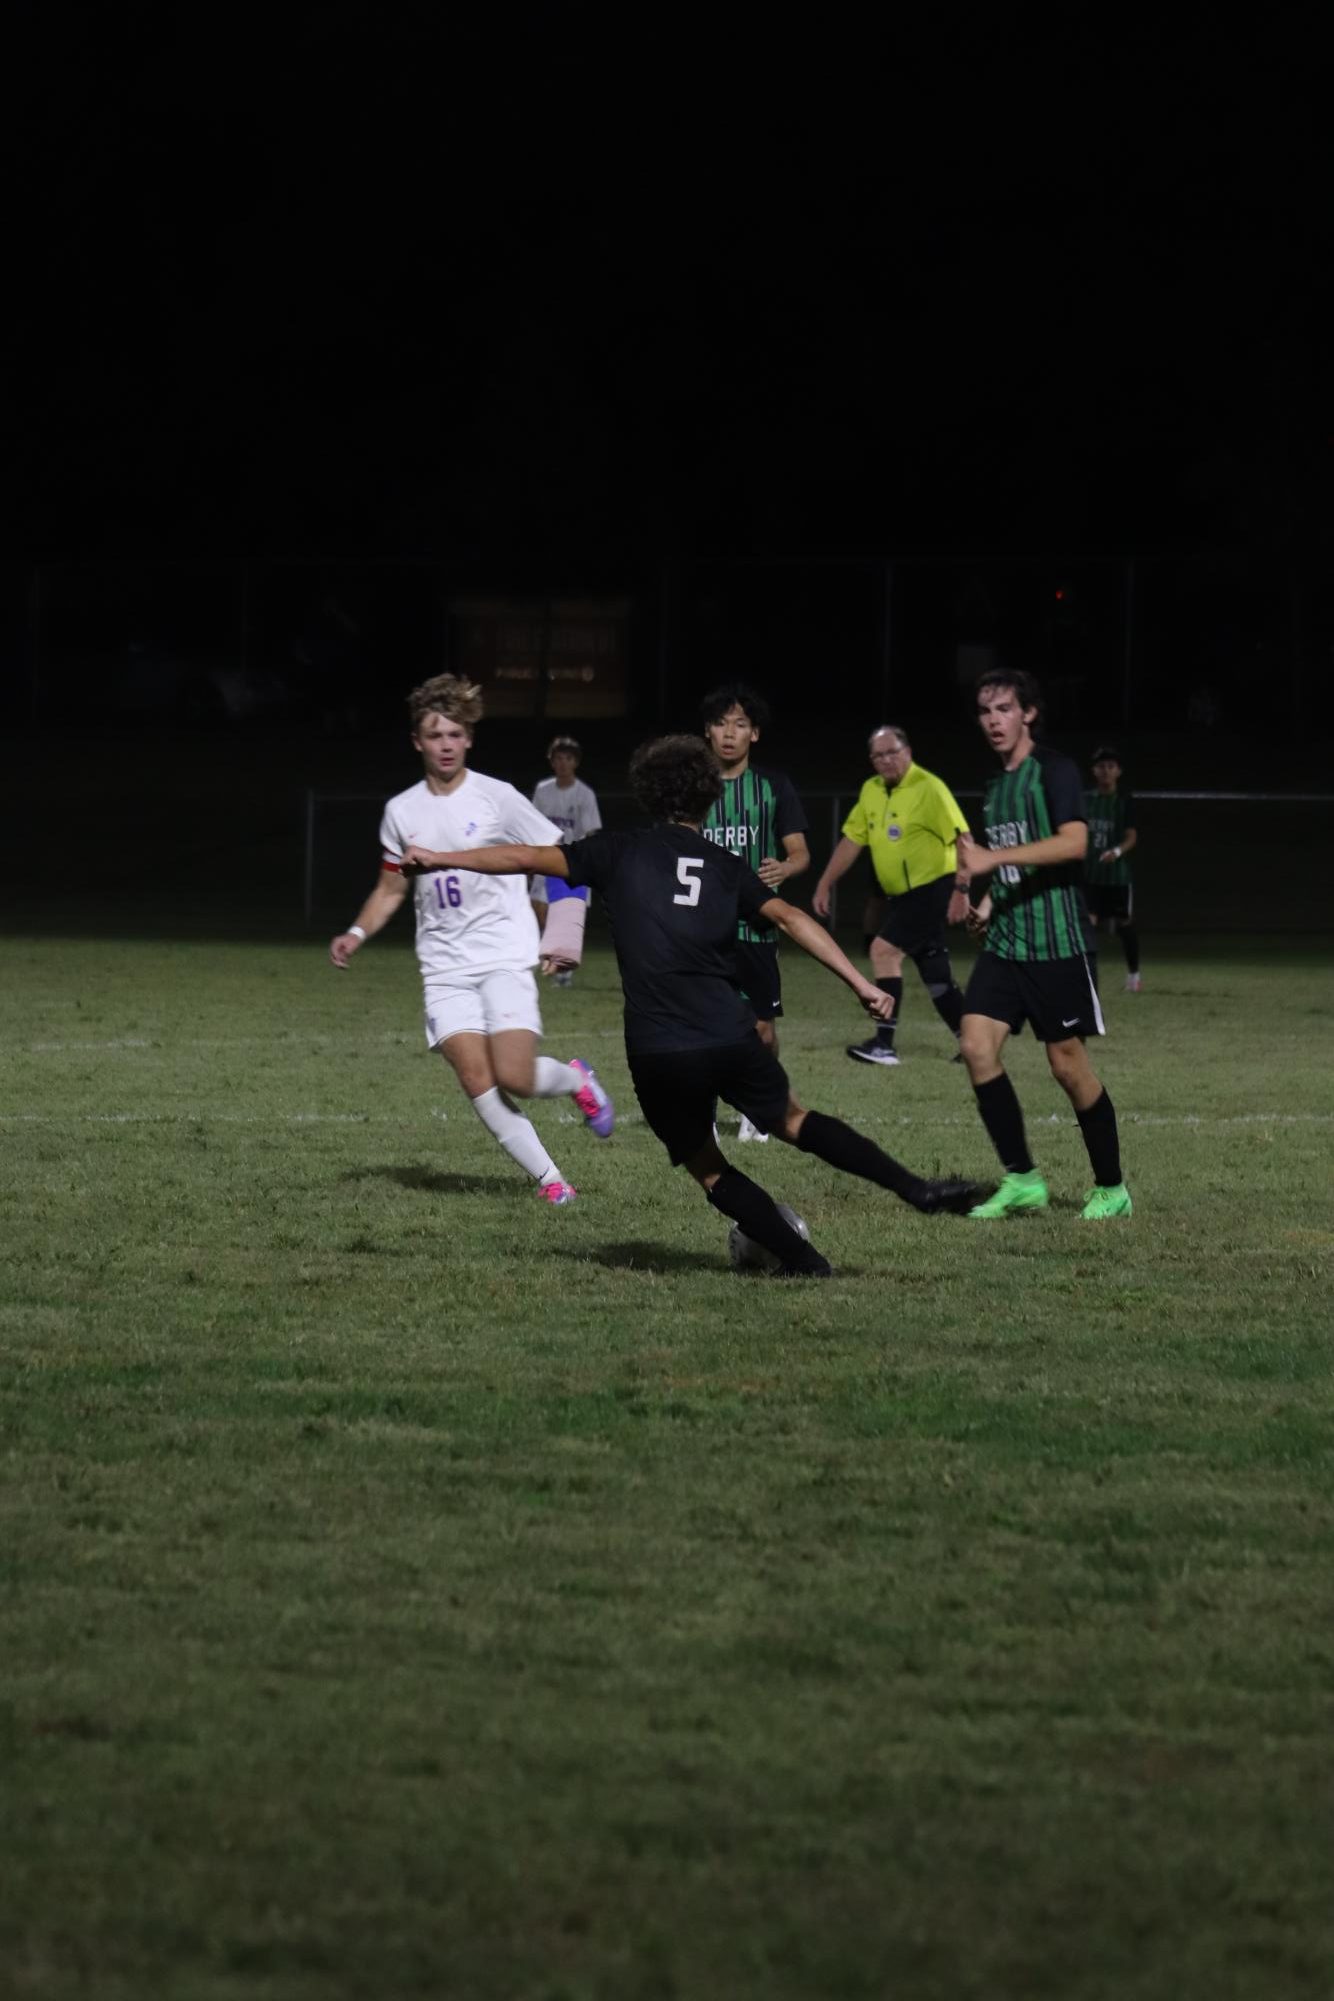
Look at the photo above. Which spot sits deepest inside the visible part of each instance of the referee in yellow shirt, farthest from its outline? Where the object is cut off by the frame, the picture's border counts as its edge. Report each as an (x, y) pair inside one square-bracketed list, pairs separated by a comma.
[(910, 822)]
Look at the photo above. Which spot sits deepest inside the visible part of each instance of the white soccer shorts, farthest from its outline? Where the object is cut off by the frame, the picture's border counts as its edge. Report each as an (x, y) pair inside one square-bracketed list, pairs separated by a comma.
[(486, 1004)]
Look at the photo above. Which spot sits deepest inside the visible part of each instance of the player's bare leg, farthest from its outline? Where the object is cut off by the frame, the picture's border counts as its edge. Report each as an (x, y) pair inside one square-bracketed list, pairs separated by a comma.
[(472, 1058), (886, 959), (981, 1039), (522, 1073), (1072, 1070), (513, 1054)]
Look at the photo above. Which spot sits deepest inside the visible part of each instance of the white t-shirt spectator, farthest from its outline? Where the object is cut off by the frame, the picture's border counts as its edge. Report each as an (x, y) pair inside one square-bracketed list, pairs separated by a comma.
[(574, 808)]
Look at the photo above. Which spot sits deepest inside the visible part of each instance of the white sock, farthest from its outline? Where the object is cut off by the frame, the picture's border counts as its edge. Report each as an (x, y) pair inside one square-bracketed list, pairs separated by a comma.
[(554, 1080), (516, 1135)]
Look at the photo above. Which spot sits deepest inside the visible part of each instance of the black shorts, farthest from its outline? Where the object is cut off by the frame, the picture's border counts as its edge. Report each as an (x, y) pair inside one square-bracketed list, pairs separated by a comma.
[(1110, 903), (678, 1091), (760, 980), (917, 918), (1057, 997)]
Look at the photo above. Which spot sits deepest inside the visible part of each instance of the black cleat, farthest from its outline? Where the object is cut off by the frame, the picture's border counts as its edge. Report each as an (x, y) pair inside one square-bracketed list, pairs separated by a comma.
[(950, 1198), (817, 1267)]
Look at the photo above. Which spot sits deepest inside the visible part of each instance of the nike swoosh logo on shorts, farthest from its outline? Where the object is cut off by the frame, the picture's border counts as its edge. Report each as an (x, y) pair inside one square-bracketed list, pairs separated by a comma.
[(1071, 1023)]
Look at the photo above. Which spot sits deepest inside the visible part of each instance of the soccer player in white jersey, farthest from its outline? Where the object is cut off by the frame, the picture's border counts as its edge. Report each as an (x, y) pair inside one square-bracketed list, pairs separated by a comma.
[(573, 807), (477, 940)]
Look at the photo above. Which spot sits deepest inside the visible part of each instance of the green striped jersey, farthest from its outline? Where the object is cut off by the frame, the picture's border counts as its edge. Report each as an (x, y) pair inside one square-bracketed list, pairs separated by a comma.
[(756, 811), (1037, 912), (1110, 815)]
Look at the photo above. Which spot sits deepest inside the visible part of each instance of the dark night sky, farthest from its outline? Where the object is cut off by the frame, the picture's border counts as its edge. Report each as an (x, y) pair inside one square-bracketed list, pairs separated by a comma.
[(381, 281)]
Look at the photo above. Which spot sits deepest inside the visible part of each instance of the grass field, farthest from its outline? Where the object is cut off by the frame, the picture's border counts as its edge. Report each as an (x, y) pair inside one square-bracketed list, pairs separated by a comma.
[(409, 1590)]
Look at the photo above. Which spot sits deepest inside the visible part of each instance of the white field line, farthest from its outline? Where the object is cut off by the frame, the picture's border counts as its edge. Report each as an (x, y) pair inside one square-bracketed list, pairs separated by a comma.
[(387, 1039), (439, 1115)]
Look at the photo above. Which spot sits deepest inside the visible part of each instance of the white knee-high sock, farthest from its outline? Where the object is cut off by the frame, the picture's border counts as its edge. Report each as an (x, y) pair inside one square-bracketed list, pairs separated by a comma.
[(516, 1135), (554, 1080)]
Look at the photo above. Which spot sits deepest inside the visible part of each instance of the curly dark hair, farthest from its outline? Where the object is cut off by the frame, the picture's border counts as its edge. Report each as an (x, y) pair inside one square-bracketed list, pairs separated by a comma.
[(735, 695), (676, 778), (1023, 684)]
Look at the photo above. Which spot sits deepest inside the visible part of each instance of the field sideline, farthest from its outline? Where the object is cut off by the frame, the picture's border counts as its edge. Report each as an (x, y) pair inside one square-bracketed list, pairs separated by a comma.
[(410, 1590)]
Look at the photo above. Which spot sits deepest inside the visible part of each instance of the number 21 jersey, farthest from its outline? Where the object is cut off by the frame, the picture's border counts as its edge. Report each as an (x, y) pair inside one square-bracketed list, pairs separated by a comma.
[(674, 900), (468, 924)]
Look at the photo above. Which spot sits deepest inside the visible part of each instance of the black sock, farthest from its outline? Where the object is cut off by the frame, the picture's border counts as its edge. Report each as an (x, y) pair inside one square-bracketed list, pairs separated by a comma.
[(829, 1139), (737, 1196), (1130, 946), (884, 1030), (1098, 1125), (948, 1003), (1004, 1122)]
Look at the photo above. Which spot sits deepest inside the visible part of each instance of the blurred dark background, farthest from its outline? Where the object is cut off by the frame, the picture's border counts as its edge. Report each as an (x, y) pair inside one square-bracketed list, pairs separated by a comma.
[(605, 357)]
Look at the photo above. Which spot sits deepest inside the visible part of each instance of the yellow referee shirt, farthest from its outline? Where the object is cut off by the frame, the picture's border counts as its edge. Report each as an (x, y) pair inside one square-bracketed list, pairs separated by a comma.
[(910, 831)]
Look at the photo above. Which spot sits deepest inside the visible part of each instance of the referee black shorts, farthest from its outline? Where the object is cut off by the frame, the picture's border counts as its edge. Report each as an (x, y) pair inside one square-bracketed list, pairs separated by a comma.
[(917, 918), (678, 1091), (1056, 997)]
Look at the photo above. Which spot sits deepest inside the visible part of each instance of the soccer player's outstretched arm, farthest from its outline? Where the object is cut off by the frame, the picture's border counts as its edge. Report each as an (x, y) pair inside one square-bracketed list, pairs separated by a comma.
[(804, 931), (515, 860), (373, 915)]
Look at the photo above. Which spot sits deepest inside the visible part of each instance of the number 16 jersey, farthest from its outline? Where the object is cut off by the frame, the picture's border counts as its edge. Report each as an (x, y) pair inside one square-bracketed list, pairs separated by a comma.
[(468, 924), (674, 900)]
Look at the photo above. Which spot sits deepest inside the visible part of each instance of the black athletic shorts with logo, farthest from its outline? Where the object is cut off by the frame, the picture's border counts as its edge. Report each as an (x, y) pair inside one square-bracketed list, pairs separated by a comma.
[(917, 917), (1057, 997), (759, 979), (1110, 903), (678, 1091)]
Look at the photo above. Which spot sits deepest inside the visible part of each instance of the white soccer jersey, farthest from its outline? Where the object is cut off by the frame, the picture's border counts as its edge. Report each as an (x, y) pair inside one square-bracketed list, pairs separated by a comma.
[(468, 924), (574, 808)]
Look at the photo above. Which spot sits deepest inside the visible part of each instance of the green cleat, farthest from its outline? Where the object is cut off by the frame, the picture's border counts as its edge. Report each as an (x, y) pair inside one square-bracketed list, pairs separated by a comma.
[(1016, 1192), (1105, 1202)]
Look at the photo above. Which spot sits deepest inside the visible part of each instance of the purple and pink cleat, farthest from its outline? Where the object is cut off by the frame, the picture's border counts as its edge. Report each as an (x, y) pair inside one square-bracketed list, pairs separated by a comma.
[(557, 1193), (593, 1102)]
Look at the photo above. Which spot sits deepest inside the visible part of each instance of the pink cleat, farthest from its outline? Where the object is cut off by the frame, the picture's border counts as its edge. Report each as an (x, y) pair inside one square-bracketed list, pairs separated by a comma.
[(593, 1101), (557, 1193)]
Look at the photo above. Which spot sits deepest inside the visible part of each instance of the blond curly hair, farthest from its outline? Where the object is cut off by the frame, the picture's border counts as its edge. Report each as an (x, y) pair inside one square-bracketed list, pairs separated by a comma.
[(447, 695)]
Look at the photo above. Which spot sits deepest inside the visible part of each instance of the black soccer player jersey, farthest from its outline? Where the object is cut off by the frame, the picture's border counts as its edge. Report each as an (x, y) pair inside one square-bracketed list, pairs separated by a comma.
[(1110, 815), (1037, 912), (674, 900), (755, 813)]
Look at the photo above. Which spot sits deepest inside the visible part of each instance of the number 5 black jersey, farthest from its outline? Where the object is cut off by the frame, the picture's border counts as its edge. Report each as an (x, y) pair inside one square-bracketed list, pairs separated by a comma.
[(674, 900)]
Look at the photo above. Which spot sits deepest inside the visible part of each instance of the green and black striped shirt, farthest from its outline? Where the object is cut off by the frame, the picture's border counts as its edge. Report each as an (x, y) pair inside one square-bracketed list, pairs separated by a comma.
[(756, 812), (1037, 912), (1110, 815)]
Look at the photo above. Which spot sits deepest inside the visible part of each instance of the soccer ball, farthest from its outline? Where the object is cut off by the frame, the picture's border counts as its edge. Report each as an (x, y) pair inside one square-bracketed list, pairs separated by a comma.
[(743, 1254)]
